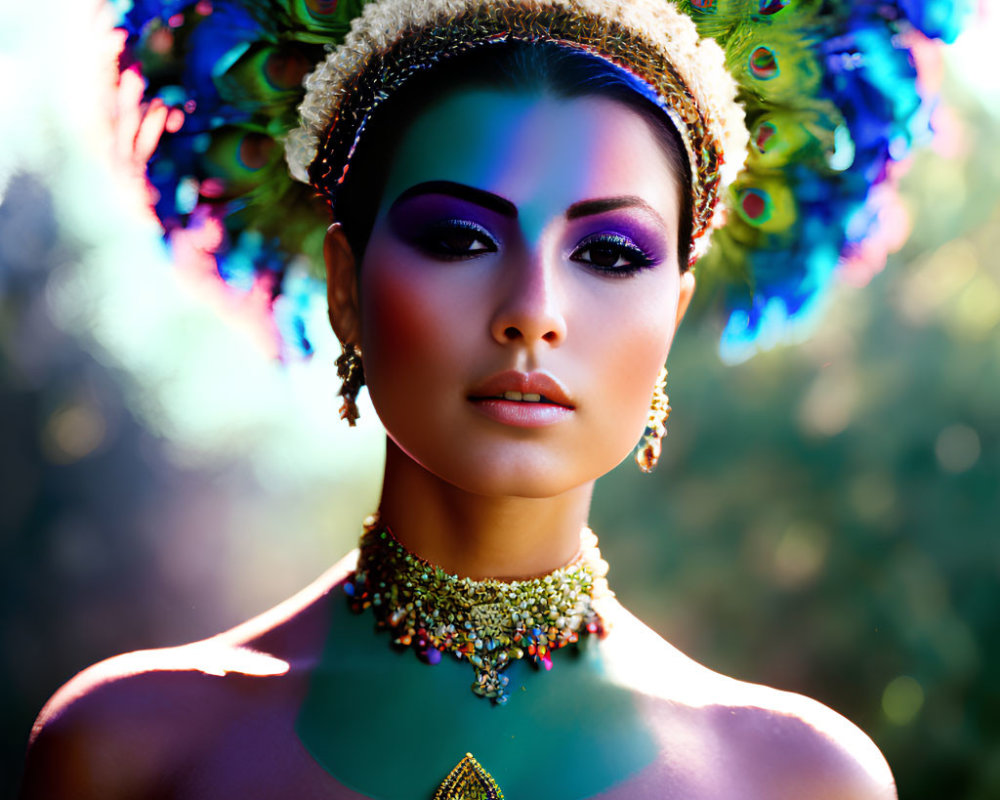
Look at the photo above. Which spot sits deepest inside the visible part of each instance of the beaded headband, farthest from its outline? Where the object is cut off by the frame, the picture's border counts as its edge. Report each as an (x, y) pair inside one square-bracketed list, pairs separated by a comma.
[(649, 39)]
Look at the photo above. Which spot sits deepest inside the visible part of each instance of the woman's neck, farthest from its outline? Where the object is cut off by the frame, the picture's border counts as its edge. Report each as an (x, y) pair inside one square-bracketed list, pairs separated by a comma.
[(474, 535)]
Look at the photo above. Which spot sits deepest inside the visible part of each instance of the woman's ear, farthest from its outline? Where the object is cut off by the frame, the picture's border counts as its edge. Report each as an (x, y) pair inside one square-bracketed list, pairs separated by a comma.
[(342, 286), (686, 293)]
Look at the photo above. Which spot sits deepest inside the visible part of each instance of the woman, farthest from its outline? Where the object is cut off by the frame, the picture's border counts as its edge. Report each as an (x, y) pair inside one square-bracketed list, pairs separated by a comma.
[(514, 220)]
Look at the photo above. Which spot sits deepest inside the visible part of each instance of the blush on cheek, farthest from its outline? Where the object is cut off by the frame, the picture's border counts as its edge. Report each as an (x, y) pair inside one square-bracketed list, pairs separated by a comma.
[(398, 312), (405, 329), (634, 374)]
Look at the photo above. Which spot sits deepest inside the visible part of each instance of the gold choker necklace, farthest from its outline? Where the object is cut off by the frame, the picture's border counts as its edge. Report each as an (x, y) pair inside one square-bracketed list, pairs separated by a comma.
[(490, 623)]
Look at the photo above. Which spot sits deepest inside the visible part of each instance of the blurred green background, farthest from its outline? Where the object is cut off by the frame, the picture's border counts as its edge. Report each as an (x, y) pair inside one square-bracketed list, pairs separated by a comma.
[(825, 518)]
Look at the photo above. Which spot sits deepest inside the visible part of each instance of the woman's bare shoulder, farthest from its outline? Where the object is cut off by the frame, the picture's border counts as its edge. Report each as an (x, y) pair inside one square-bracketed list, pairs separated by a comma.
[(120, 726), (785, 745)]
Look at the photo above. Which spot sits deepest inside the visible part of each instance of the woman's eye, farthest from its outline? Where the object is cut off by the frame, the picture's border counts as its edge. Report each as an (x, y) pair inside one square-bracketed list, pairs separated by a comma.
[(612, 254), (457, 239)]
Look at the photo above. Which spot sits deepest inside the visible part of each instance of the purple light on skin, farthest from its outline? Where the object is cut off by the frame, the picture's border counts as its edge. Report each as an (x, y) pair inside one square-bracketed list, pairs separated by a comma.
[(498, 129), (416, 219), (504, 137)]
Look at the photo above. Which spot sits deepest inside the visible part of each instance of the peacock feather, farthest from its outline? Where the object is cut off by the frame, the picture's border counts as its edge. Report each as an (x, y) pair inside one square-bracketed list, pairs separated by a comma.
[(829, 88)]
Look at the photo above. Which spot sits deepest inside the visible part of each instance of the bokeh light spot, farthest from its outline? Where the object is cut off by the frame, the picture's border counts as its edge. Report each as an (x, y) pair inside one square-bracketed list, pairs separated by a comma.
[(829, 405), (800, 554), (872, 496), (977, 309), (73, 432), (957, 448), (936, 279), (902, 700)]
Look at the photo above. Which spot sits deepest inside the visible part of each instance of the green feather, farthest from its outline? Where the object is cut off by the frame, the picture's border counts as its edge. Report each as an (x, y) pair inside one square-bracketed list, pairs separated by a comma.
[(267, 78), (774, 63), (717, 18), (765, 202), (721, 19), (315, 21), (237, 159), (779, 136)]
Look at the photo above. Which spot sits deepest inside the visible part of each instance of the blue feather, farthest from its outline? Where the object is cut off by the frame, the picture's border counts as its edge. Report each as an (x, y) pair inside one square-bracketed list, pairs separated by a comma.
[(939, 19)]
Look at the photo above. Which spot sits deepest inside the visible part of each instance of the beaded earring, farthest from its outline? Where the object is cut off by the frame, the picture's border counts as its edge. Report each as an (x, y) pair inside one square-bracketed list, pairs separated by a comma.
[(651, 443), (351, 371)]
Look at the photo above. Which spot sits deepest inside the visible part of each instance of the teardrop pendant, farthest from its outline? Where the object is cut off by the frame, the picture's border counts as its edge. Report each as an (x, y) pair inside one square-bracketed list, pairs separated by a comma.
[(468, 781)]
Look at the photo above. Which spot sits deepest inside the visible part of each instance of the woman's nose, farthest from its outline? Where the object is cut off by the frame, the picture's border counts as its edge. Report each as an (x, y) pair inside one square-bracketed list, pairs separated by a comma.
[(531, 305)]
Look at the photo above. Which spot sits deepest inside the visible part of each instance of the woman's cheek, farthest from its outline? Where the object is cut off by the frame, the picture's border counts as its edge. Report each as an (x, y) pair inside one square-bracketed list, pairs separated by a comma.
[(406, 336), (631, 356), (394, 320)]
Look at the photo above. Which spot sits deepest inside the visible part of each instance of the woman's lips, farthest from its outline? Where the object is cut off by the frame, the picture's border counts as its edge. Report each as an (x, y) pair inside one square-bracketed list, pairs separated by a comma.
[(524, 400), (521, 414)]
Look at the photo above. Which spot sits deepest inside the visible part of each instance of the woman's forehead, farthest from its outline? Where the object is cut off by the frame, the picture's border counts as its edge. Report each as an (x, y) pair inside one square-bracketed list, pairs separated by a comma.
[(541, 153)]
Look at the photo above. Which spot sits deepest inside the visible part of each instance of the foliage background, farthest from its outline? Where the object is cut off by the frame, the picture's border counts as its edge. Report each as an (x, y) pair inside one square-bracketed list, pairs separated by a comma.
[(825, 519)]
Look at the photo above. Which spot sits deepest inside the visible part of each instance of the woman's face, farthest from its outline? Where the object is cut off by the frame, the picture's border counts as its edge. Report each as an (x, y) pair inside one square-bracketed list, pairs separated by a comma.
[(520, 289)]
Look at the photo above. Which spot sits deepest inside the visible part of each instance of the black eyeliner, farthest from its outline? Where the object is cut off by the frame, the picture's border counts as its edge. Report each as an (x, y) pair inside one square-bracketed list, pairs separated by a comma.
[(430, 239), (639, 257)]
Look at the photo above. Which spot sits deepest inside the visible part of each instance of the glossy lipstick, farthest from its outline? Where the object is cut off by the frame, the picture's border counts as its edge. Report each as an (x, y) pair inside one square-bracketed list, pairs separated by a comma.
[(523, 400)]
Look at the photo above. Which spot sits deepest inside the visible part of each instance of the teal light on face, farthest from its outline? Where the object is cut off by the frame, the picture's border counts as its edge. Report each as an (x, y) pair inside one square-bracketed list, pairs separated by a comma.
[(501, 142)]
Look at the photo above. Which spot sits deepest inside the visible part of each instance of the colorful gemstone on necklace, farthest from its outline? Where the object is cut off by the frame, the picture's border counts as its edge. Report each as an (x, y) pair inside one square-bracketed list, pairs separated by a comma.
[(490, 623)]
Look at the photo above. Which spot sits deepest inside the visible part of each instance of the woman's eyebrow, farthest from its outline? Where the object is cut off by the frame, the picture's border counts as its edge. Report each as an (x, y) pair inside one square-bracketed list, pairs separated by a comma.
[(461, 191), (587, 207)]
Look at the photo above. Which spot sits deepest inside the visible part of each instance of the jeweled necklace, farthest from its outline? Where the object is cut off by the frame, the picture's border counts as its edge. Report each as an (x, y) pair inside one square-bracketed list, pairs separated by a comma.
[(490, 623)]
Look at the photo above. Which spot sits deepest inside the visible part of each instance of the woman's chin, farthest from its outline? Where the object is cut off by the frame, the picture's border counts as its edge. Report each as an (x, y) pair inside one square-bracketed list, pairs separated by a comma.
[(516, 471), (480, 455)]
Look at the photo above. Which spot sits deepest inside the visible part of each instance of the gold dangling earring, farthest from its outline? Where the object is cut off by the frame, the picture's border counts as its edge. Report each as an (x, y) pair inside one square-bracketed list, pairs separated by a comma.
[(656, 426), (351, 371)]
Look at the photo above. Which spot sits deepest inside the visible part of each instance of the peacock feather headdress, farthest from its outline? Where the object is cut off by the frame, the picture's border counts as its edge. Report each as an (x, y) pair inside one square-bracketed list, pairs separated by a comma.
[(815, 99)]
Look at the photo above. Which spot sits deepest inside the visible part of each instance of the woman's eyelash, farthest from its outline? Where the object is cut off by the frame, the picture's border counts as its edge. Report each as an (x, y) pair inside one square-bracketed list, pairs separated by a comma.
[(456, 238), (613, 254), (610, 253)]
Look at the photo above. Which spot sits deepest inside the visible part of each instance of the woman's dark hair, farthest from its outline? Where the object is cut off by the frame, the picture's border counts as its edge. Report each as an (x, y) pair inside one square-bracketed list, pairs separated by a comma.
[(546, 67)]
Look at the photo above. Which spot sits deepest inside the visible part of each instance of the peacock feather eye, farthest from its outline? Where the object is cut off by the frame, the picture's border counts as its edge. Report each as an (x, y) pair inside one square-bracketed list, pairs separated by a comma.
[(320, 21), (767, 203), (321, 8), (236, 161), (768, 7), (286, 67), (756, 206), (263, 76), (780, 138), (764, 137), (764, 63), (255, 151)]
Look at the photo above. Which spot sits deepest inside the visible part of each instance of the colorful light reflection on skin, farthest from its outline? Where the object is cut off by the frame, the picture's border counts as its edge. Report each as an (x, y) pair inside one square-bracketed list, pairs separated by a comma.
[(528, 298)]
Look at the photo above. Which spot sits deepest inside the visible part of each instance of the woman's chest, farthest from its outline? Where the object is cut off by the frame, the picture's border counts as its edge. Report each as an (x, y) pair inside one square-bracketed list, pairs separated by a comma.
[(391, 727), (353, 734), (370, 722), (263, 756)]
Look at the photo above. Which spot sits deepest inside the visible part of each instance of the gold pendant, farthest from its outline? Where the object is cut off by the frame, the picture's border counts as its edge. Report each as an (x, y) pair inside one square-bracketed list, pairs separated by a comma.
[(468, 781)]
